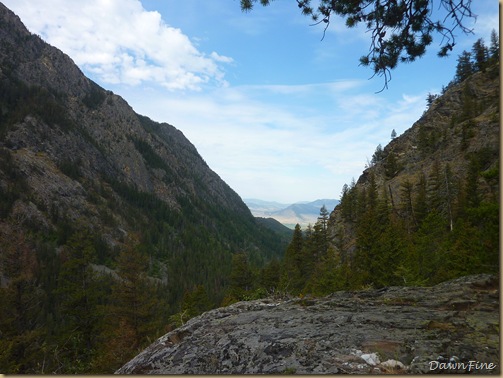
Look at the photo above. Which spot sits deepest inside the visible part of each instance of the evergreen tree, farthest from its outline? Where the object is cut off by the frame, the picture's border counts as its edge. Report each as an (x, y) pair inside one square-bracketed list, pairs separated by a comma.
[(293, 272), (195, 302), (79, 294), (270, 276), (348, 202), (494, 48), (22, 332), (433, 188), (323, 218), (391, 165), (480, 55), (328, 275), (242, 279), (420, 201), (430, 98), (321, 233), (464, 67), (378, 155), (132, 317), (406, 205)]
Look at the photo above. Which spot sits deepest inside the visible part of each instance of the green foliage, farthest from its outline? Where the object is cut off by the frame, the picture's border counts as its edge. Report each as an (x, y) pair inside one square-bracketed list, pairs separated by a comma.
[(440, 229), (400, 31), (242, 278), (132, 315), (64, 314), (465, 67), (95, 97), (79, 296), (479, 59), (16, 186), (17, 100), (151, 158), (391, 165), (70, 168), (378, 155), (21, 331)]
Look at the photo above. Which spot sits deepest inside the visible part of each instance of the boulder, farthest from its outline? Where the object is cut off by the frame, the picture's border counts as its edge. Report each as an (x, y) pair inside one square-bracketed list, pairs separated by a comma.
[(410, 329)]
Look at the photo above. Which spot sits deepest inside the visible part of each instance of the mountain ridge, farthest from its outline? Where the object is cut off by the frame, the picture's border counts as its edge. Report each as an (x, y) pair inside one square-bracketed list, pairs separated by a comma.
[(303, 213), (396, 279), (91, 191)]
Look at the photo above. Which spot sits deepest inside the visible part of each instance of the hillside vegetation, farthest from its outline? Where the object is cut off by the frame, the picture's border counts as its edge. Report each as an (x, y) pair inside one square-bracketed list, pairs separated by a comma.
[(425, 210), (107, 218)]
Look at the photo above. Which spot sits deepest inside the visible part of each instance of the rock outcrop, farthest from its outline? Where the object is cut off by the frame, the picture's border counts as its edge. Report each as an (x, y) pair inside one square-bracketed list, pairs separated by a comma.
[(449, 328)]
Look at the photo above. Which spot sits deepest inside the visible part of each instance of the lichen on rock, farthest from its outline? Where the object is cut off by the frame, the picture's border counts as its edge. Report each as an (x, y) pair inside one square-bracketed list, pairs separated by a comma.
[(366, 332)]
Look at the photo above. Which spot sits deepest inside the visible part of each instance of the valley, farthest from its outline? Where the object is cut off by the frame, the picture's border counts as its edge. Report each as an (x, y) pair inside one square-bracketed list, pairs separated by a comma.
[(114, 233), (302, 213)]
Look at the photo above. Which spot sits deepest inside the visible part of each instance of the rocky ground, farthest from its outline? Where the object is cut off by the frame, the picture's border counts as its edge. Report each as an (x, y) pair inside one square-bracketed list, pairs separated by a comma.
[(449, 328)]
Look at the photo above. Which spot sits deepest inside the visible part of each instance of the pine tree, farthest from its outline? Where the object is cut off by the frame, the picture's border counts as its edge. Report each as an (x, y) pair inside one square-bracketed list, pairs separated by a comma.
[(270, 276), (194, 302), (79, 294), (406, 204), (323, 218), (132, 317), (494, 48), (420, 200), (391, 165), (328, 275), (378, 155), (464, 67), (321, 234), (22, 332), (348, 202), (242, 279), (480, 55), (292, 277)]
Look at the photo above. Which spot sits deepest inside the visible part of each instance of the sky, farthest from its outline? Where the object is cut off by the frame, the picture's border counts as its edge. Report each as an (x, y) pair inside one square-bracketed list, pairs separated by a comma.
[(276, 110)]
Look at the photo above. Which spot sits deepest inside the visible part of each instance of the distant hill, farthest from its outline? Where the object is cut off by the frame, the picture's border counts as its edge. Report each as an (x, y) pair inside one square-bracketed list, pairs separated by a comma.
[(303, 213), (279, 228)]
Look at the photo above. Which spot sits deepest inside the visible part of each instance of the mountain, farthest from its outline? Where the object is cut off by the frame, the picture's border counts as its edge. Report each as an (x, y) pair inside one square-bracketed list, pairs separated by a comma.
[(87, 182), (302, 213), (257, 205), (427, 208), (277, 227), (403, 277)]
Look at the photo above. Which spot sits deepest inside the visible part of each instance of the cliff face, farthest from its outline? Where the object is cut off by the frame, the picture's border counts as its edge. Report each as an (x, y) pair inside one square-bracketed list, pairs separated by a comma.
[(82, 124), (74, 155), (449, 154), (391, 330)]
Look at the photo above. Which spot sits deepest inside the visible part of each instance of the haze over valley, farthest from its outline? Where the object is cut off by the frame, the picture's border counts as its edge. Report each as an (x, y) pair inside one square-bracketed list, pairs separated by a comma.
[(302, 213), (126, 148)]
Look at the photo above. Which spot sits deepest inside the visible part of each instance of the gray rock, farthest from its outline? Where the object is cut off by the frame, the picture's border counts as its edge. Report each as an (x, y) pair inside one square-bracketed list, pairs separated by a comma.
[(411, 329)]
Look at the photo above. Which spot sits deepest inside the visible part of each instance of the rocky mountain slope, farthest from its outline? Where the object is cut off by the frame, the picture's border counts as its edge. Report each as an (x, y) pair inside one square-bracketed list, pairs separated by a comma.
[(424, 212), (427, 208), (391, 330), (75, 156)]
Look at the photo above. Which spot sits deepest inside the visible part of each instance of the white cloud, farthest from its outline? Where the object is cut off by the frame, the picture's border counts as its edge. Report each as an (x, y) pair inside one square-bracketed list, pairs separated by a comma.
[(277, 142), (120, 42), (282, 151)]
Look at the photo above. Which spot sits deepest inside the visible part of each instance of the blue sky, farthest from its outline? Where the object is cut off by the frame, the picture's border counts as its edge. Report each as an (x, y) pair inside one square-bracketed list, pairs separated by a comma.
[(278, 113)]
